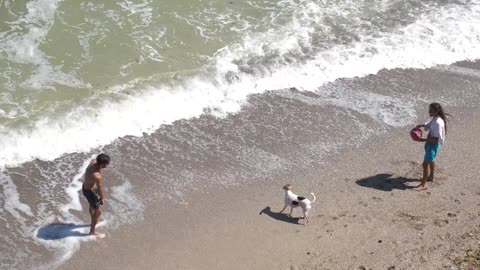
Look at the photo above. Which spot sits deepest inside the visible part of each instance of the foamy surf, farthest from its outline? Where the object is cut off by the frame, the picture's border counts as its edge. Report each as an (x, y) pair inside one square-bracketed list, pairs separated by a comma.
[(416, 45), (65, 237), (54, 223)]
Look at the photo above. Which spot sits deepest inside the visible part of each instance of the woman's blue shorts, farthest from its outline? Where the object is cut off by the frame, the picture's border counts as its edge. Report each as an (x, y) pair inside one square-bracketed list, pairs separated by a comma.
[(431, 151)]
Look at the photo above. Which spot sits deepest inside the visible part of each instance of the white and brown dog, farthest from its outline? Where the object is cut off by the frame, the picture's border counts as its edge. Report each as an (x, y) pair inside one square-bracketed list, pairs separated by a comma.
[(294, 201)]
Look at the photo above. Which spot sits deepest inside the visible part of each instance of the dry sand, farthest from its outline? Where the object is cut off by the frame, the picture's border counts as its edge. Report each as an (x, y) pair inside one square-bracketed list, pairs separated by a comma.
[(367, 216)]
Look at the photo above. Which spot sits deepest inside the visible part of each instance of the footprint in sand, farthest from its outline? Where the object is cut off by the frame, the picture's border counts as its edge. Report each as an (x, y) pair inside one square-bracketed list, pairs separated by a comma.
[(414, 221), (440, 222), (364, 204), (409, 216), (418, 225)]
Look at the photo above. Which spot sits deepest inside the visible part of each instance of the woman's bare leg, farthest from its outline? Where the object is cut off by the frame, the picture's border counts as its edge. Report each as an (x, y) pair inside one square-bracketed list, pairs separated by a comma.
[(422, 185)]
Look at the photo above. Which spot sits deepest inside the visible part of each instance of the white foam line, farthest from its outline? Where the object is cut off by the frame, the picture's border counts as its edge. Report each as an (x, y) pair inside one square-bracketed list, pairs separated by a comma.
[(391, 111), (460, 70), (12, 199), (72, 191)]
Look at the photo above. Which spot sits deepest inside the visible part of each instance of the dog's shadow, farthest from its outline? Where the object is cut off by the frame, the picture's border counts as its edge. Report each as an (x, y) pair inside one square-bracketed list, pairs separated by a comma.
[(279, 216), (386, 182)]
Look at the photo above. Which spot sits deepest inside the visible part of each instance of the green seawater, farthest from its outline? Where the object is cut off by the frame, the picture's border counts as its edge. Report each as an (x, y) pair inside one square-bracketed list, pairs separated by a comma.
[(56, 55)]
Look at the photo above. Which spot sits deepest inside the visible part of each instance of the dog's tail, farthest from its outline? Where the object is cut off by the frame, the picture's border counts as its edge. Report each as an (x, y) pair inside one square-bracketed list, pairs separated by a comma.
[(314, 198)]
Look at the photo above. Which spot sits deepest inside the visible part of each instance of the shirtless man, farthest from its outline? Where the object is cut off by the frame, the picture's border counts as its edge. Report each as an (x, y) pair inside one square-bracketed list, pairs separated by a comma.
[(92, 189)]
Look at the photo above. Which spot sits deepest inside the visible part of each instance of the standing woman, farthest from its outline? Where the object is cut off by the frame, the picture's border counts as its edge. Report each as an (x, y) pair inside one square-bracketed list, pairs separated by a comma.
[(437, 128)]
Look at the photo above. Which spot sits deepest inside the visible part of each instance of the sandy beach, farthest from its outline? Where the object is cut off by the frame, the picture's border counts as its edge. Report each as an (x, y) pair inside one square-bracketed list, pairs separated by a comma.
[(367, 216)]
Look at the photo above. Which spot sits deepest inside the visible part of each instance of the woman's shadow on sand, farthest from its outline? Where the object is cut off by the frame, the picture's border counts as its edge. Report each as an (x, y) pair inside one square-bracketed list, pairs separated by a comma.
[(279, 216), (385, 182), (57, 231)]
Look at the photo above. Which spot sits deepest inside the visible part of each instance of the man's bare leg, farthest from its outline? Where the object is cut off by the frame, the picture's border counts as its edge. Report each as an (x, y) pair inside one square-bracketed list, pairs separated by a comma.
[(422, 185), (91, 211), (95, 218)]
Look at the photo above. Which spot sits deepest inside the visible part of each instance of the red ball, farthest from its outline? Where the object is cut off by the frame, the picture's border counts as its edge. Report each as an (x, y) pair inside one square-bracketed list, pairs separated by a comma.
[(416, 134)]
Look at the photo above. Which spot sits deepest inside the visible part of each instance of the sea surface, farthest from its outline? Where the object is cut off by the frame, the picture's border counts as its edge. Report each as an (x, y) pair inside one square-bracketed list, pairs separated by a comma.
[(163, 87)]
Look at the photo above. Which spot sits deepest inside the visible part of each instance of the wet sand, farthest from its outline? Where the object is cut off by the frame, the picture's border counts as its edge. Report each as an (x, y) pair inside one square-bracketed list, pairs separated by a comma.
[(367, 216)]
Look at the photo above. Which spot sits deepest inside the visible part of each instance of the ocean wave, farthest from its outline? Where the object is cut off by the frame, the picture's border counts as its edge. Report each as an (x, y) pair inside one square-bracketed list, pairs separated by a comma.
[(288, 56)]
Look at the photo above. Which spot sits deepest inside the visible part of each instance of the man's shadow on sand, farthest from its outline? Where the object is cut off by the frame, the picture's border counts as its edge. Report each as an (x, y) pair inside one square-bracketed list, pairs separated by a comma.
[(57, 231), (385, 182), (279, 216)]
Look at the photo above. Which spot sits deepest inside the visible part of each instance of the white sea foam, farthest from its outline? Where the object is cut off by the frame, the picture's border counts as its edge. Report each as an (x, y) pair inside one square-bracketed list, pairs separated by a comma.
[(126, 207), (390, 111), (442, 36), (23, 47), (435, 38), (459, 70), (72, 191), (12, 203)]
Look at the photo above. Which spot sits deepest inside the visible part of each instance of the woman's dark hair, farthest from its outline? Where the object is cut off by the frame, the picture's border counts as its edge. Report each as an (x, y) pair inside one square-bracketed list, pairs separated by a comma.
[(438, 108), (103, 159)]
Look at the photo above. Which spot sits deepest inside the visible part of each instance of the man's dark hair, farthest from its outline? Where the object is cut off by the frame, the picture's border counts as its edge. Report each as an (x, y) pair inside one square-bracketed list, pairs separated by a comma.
[(103, 159)]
